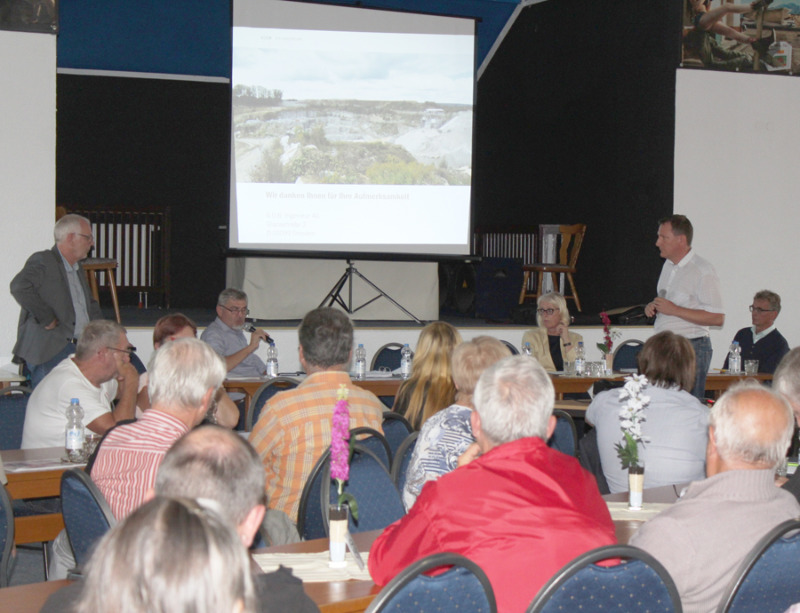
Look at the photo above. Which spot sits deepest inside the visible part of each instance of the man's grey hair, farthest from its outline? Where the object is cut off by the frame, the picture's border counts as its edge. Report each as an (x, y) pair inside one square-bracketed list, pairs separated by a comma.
[(326, 336), (735, 439), (786, 379), (68, 224), (214, 463), (182, 371), (514, 399), (230, 293), (771, 297), (96, 335)]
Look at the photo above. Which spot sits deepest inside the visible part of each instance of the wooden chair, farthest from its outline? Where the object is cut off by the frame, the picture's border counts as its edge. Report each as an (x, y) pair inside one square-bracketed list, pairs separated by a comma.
[(91, 266), (570, 239)]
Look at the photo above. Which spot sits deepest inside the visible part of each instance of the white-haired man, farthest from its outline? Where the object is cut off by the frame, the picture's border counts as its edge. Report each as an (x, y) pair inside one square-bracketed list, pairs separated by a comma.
[(55, 298), (99, 372), (702, 539), (787, 382), (520, 510)]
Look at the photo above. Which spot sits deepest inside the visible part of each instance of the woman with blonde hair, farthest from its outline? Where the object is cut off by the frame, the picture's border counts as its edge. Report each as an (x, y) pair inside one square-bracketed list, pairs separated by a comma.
[(552, 343), (171, 555), (430, 387)]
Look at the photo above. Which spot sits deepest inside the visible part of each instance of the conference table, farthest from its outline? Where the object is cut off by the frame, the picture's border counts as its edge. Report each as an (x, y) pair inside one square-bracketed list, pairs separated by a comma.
[(31, 474)]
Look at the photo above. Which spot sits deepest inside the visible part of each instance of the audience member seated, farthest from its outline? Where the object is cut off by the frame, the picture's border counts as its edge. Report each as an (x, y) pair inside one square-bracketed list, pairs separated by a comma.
[(552, 343), (170, 327), (294, 428), (446, 435), (787, 382), (430, 387), (225, 335), (184, 376), (676, 423), (98, 372), (170, 555), (702, 539), (762, 341), (518, 509)]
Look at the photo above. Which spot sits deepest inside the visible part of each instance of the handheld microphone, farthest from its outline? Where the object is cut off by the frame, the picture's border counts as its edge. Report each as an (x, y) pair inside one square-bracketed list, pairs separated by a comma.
[(251, 328)]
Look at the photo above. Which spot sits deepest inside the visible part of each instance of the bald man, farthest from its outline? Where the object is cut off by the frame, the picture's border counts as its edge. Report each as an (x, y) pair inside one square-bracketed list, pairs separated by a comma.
[(702, 539)]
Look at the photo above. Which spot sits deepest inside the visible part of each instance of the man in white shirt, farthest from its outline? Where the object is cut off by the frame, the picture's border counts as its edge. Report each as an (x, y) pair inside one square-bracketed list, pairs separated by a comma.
[(99, 372), (689, 299)]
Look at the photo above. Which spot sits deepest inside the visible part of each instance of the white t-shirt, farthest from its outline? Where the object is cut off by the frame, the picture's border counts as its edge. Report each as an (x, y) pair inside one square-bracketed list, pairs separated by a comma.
[(45, 415)]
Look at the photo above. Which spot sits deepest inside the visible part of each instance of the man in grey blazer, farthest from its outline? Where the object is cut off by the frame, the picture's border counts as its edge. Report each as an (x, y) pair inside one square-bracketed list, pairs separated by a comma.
[(55, 298)]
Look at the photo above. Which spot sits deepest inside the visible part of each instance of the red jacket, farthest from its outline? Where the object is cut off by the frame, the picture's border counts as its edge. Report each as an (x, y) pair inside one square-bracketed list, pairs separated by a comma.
[(520, 511)]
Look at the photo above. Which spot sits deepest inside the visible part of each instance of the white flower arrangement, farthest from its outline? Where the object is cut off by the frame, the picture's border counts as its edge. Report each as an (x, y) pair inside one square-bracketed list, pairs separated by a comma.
[(631, 416)]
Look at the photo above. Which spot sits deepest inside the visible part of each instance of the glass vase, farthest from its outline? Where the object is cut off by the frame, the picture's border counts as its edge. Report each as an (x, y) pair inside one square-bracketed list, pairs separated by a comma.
[(635, 487), (338, 515)]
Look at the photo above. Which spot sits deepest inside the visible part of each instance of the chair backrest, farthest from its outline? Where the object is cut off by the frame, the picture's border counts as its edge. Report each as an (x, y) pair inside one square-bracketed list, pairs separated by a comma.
[(310, 518), (375, 442), (625, 354), (387, 356), (565, 436), (766, 580), (571, 241), (640, 583), (87, 516), (378, 500), (264, 393), (402, 459), (13, 402), (6, 535), (395, 428), (511, 346), (464, 587)]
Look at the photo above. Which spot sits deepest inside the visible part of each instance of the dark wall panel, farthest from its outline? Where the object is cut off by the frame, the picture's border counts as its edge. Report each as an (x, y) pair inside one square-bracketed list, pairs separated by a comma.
[(150, 142), (575, 123)]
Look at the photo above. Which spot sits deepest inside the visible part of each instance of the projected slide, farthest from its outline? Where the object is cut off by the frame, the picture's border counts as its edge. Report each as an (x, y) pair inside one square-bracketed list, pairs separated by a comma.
[(352, 141)]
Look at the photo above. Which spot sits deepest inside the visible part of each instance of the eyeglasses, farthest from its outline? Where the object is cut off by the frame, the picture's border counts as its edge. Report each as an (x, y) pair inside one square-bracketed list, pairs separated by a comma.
[(545, 311), (755, 309), (131, 349), (88, 237), (242, 311)]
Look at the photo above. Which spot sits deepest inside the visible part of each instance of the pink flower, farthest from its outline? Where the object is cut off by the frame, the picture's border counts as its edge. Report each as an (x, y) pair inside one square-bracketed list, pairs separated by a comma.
[(340, 435)]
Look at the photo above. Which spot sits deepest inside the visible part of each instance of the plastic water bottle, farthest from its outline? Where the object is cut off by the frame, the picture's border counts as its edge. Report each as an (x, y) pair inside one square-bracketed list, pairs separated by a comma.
[(526, 349), (580, 360), (735, 358), (361, 362), (405, 361), (74, 433), (272, 361)]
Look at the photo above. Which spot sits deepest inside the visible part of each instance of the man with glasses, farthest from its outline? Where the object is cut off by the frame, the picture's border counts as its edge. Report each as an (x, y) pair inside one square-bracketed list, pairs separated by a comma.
[(225, 334), (98, 373), (762, 341), (55, 298)]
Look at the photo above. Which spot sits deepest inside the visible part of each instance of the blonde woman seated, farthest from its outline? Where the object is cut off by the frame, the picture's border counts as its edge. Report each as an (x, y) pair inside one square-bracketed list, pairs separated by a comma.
[(552, 343), (676, 423), (169, 556), (169, 328), (430, 387), (446, 435)]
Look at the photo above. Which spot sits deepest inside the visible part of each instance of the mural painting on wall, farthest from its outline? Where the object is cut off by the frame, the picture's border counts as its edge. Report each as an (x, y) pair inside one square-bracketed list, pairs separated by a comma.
[(759, 36)]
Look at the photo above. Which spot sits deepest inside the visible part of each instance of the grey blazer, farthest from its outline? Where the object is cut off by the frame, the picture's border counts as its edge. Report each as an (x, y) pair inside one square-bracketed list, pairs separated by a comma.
[(42, 290)]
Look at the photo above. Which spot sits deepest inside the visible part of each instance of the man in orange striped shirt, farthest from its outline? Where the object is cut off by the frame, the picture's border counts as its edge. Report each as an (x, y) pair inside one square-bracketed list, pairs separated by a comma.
[(294, 429)]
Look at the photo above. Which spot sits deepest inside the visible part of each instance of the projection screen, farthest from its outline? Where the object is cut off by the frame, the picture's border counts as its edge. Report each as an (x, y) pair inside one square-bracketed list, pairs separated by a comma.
[(351, 130)]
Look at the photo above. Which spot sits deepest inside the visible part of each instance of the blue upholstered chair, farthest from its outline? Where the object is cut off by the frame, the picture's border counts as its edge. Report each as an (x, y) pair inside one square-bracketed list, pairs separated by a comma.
[(637, 585), (310, 517), (387, 356), (766, 580), (378, 500), (511, 347), (264, 393), (625, 355), (565, 436), (6, 536), (87, 516), (395, 428), (375, 442), (13, 402), (402, 459), (464, 587)]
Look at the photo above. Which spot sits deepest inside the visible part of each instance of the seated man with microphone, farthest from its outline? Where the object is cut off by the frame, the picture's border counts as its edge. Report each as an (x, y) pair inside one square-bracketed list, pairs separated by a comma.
[(225, 334)]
